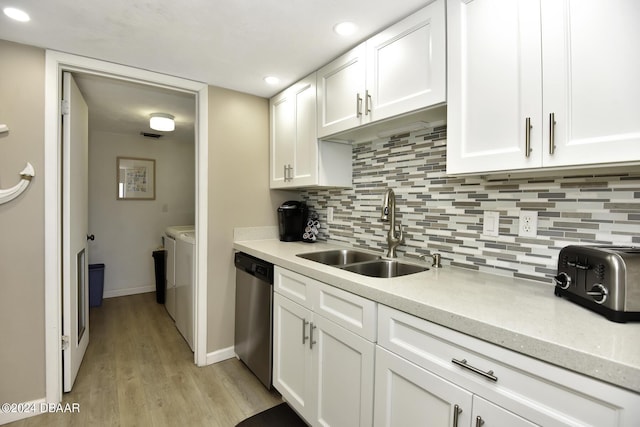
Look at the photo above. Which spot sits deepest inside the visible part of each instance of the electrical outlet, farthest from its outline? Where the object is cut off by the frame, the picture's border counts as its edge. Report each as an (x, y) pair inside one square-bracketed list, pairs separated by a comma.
[(528, 225)]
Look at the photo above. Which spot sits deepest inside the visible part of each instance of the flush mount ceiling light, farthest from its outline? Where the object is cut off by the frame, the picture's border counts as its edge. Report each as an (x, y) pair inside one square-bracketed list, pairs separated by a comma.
[(272, 80), (162, 122), (345, 28), (17, 14)]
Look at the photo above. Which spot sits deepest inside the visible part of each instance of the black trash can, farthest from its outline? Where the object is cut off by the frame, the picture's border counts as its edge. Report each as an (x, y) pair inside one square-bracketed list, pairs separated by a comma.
[(160, 263), (96, 284)]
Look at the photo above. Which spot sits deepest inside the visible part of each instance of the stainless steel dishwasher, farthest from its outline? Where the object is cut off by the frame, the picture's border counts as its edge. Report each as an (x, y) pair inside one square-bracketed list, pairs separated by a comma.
[(254, 308)]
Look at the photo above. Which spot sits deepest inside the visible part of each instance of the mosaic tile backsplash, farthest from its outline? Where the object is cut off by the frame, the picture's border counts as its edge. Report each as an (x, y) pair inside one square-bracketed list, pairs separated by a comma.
[(444, 214)]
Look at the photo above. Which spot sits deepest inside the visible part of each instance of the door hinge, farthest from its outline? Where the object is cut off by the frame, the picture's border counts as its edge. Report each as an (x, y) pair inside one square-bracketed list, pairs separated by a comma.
[(65, 342), (64, 107)]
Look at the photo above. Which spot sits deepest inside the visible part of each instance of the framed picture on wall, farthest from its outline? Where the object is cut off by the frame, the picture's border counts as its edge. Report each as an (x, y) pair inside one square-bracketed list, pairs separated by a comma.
[(136, 178)]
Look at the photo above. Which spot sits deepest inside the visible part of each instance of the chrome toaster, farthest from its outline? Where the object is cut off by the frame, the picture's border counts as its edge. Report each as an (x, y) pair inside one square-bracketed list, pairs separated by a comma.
[(605, 279)]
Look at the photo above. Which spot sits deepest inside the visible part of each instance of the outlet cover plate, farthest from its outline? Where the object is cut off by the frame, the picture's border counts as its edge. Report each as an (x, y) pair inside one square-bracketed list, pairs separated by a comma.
[(528, 225)]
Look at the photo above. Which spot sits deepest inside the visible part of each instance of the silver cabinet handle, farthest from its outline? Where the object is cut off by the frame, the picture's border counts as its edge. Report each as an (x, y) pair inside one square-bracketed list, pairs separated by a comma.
[(304, 328), (552, 133), (288, 173), (463, 363), (367, 102), (479, 421), (358, 105), (456, 413), (527, 136), (311, 341)]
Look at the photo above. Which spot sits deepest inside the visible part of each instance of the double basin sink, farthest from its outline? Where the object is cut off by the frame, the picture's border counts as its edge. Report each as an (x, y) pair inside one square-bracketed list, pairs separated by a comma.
[(363, 263)]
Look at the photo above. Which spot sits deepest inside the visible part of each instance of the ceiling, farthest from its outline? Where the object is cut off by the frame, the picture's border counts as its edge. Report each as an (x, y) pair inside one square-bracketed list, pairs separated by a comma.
[(124, 107), (227, 43)]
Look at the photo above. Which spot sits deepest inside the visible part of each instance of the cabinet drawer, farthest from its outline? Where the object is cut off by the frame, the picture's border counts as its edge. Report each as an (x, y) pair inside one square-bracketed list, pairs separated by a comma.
[(350, 311), (537, 391), (295, 286)]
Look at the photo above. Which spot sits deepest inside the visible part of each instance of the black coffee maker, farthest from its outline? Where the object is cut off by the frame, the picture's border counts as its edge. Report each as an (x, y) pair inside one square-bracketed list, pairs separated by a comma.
[(292, 219)]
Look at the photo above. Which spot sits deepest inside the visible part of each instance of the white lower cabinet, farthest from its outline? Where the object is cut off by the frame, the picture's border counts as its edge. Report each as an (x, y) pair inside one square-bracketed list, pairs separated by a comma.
[(408, 395), (328, 367), (322, 368), (433, 367)]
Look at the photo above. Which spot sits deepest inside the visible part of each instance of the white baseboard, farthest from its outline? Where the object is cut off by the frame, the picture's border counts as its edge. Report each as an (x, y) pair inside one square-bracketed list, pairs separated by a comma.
[(220, 355), (128, 291), (23, 410)]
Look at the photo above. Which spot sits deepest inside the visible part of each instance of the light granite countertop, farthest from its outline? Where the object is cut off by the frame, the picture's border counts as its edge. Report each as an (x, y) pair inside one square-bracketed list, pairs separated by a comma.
[(517, 314)]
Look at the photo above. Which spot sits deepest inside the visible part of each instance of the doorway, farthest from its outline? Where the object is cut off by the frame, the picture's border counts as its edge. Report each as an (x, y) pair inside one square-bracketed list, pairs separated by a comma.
[(56, 63)]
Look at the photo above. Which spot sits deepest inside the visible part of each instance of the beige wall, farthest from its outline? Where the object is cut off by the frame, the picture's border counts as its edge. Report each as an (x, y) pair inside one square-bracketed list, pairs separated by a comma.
[(128, 231), (239, 196), (22, 357)]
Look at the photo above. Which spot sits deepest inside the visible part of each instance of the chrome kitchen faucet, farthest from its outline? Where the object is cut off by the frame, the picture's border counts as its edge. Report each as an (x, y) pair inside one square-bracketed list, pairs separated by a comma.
[(389, 215)]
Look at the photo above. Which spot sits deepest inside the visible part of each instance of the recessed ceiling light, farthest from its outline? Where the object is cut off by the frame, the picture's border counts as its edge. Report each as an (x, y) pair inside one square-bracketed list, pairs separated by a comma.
[(272, 80), (345, 28), (17, 14)]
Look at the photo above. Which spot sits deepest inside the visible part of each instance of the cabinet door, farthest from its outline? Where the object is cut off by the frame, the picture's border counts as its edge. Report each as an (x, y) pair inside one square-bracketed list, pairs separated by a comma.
[(406, 65), (591, 66), (486, 414), (305, 161), (292, 375), (282, 138), (343, 367), (407, 395), (494, 85), (341, 93), (294, 146)]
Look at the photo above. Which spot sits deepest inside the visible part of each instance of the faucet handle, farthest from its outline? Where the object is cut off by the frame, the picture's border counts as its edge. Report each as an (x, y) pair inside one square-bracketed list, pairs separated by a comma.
[(400, 235)]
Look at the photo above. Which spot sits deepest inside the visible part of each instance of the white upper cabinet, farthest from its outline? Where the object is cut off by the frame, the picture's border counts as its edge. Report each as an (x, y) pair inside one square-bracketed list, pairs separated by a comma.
[(298, 159), (591, 69), (341, 93), (400, 70), (542, 83), (406, 65)]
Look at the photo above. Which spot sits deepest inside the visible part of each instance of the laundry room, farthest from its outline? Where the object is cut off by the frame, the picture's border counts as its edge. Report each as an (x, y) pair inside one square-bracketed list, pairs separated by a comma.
[(128, 215)]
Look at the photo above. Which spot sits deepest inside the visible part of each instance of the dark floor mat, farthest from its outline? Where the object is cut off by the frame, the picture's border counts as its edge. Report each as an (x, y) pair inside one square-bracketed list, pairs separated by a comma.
[(278, 416)]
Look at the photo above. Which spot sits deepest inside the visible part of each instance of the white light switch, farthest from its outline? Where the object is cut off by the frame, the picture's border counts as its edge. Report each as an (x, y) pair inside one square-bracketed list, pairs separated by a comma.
[(491, 223), (329, 214)]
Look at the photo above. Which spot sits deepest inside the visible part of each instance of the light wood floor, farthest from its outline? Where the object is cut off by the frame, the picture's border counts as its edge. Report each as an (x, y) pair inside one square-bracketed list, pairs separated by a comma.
[(138, 371)]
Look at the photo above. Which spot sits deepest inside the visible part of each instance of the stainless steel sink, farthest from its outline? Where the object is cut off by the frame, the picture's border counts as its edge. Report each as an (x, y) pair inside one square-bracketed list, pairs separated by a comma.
[(339, 257), (385, 268), (364, 263)]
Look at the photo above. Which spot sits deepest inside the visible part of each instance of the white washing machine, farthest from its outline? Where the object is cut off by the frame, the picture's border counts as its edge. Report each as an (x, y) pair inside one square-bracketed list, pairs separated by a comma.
[(170, 245), (184, 290)]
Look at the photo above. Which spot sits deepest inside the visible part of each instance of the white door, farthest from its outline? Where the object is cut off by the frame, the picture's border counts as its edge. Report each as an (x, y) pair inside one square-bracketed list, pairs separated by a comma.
[(494, 85), (341, 93), (75, 194), (282, 138), (292, 374), (591, 65), (407, 395), (406, 64), (305, 163), (343, 368), (486, 414)]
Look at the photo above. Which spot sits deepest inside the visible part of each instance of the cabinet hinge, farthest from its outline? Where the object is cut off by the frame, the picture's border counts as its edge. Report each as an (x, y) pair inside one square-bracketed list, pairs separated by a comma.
[(65, 342), (64, 107)]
